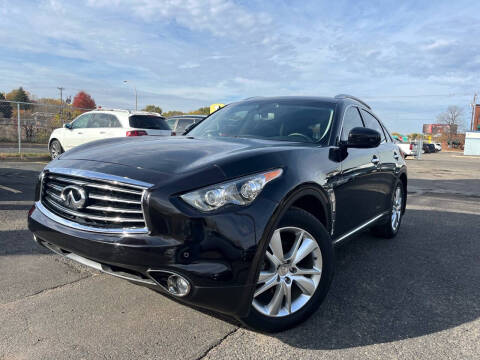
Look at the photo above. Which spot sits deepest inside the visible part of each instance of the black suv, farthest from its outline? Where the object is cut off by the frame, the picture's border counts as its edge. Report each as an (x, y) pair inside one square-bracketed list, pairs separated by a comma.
[(241, 215)]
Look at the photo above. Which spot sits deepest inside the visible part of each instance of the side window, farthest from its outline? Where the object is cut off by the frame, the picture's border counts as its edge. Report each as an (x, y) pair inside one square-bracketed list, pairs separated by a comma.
[(183, 124), (100, 120), (387, 134), (113, 122), (351, 120), (81, 122), (372, 123), (171, 123)]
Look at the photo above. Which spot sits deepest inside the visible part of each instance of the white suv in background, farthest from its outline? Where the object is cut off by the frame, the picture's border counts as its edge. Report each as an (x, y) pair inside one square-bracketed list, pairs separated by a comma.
[(103, 124)]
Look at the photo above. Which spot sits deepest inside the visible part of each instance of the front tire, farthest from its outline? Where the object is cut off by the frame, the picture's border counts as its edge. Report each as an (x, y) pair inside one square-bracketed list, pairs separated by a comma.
[(296, 273), (55, 149)]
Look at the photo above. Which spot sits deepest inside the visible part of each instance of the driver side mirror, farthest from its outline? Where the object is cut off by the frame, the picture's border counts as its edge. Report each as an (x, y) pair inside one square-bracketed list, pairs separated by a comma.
[(67, 126), (363, 138)]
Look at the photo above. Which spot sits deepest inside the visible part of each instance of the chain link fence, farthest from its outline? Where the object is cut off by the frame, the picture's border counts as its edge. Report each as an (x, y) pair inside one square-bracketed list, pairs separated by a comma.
[(24, 123)]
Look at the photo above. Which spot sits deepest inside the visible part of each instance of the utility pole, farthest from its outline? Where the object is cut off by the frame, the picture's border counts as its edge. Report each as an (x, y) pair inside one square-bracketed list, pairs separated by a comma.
[(474, 104), (61, 101), (136, 98)]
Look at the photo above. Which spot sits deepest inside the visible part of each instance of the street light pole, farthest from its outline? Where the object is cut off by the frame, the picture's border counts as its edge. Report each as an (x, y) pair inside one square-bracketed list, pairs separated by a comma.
[(136, 97)]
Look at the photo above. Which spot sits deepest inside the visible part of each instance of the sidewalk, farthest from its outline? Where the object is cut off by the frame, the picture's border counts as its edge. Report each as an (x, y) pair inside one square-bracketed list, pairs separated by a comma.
[(11, 147)]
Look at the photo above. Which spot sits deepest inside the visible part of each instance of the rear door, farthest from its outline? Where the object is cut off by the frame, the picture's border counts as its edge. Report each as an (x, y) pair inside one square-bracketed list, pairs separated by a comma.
[(357, 195), (152, 124), (106, 126)]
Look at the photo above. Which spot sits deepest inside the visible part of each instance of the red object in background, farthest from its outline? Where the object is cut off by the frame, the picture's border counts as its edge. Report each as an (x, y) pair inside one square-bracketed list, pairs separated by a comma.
[(411, 146), (31, 210), (476, 118), (136, 133), (84, 101)]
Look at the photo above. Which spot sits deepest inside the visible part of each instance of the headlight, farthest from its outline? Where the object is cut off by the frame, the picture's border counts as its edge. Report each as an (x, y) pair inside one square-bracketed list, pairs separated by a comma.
[(240, 191)]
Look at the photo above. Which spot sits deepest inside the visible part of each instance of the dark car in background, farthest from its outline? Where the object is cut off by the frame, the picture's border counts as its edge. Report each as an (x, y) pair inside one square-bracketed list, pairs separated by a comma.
[(239, 216), (429, 148), (180, 123)]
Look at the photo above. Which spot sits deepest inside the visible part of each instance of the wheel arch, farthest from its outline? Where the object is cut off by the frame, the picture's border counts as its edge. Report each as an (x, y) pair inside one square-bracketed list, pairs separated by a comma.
[(306, 197), (403, 178), (53, 139)]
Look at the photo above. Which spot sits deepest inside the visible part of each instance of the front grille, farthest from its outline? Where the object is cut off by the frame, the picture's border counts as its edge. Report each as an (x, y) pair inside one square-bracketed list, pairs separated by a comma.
[(110, 205)]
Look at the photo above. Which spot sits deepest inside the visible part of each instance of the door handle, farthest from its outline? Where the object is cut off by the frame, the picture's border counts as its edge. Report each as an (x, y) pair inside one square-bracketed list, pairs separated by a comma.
[(102, 132), (375, 160), (79, 133)]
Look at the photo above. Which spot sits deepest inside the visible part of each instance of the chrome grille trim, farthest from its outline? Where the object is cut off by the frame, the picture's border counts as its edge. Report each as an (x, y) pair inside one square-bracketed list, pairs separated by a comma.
[(110, 197), (98, 186), (89, 216)]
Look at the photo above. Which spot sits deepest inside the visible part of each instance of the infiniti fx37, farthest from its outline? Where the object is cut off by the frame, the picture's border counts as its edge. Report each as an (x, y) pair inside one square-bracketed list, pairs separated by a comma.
[(241, 215)]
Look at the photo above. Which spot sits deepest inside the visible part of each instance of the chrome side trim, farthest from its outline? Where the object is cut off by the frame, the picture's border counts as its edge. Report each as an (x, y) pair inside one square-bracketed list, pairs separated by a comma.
[(78, 226), (113, 179), (358, 228)]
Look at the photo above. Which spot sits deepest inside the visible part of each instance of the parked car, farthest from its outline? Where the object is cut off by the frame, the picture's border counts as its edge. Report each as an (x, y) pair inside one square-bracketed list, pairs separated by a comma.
[(408, 149), (429, 148), (438, 147), (240, 216), (103, 124), (180, 123)]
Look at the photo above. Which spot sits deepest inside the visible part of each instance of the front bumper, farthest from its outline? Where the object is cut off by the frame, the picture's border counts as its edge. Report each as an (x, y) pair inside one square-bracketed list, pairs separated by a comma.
[(214, 253)]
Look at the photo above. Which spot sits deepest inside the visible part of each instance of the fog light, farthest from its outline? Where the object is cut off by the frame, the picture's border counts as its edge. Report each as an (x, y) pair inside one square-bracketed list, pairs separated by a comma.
[(177, 285)]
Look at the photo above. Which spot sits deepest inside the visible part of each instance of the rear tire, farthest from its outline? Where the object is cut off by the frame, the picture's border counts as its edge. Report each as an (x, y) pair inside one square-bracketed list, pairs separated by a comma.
[(389, 228), (55, 149), (305, 245)]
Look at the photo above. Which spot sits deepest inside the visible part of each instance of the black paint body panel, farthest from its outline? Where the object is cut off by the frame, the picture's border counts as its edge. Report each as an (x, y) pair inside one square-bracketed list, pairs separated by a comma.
[(219, 252)]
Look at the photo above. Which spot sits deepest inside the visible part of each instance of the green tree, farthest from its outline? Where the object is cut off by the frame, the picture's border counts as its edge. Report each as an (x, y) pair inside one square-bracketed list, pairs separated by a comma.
[(201, 111), (172, 113), (20, 95), (5, 107), (153, 108)]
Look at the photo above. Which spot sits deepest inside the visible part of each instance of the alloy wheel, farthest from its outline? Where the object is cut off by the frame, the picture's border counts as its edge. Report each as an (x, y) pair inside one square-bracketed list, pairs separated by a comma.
[(397, 208), (291, 273), (55, 150)]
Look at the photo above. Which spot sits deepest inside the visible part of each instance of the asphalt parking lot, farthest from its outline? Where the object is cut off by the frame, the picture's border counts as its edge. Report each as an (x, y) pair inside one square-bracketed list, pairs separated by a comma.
[(414, 297)]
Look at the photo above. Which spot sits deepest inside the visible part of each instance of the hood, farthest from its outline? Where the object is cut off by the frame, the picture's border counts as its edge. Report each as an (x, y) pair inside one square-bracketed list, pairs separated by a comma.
[(174, 155)]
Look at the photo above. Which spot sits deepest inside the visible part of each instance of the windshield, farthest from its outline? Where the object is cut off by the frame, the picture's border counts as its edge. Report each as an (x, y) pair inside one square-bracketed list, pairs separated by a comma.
[(287, 120), (148, 122)]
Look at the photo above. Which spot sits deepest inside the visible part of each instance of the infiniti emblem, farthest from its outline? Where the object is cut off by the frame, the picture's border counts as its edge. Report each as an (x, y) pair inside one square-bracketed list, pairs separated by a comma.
[(74, 197)]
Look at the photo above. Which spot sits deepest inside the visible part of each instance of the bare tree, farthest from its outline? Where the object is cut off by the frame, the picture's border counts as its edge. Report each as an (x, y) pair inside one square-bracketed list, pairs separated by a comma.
[(453, 117)]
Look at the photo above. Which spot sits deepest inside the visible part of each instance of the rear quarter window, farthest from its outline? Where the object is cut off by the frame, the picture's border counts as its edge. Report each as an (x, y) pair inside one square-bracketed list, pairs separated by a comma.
[(148, 122)]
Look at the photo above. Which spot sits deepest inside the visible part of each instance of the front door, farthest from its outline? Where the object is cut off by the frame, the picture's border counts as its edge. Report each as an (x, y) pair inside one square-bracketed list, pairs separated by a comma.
[(357, 196), (77, 133)]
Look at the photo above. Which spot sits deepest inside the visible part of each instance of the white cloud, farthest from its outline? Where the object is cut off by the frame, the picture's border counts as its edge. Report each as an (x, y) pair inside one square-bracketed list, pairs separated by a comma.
[(184, 53)]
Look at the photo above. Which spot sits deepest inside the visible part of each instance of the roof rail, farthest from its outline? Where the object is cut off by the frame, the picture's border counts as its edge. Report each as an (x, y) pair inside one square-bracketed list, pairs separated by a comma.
[(346, 96), (107, 109)]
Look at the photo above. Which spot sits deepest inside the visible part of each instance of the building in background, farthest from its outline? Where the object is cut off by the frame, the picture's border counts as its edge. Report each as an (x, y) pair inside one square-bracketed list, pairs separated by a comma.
[(476, 118), (439, 129), (472, 143)]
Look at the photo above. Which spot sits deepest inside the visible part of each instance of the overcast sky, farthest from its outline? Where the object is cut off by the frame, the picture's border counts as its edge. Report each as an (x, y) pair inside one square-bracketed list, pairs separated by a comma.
[(187, 54)]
